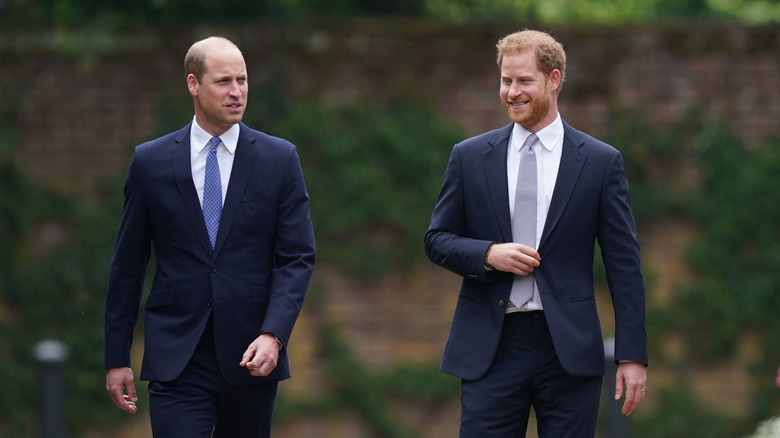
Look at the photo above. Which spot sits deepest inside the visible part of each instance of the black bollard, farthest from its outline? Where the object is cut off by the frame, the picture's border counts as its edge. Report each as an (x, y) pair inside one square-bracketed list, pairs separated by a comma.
[(50, 356), (615, 423)]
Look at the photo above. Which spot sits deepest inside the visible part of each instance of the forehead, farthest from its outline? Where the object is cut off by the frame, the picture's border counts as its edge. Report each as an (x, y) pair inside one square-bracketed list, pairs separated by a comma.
[(225, 61), (519, 63)]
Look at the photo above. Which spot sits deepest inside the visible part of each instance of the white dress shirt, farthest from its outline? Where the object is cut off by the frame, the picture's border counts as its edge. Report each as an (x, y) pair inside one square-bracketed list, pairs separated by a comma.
[(548, 160), (226, 152)]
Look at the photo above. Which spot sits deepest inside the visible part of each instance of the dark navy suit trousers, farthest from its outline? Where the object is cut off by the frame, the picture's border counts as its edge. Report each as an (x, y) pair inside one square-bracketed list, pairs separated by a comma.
[(201, 404), (525, 374)]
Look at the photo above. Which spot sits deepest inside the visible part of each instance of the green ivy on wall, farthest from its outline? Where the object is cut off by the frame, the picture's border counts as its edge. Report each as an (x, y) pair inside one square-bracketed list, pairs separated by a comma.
[(373, 173), (51, 287)]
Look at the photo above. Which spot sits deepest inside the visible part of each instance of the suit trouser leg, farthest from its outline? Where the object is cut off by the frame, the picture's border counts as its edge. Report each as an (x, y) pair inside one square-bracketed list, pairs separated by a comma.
[(246, 411), (201, 404), (525, 374)]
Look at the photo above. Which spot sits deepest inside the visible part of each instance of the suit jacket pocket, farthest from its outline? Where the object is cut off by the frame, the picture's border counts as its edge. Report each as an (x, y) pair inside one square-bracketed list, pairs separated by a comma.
[(163, 296), (585, 193), (259, 294), (257, 196), (256, 214)]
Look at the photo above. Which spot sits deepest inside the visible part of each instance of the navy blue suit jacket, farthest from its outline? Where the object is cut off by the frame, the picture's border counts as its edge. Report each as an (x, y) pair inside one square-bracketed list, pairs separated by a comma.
[(254, 279), (590, 202)]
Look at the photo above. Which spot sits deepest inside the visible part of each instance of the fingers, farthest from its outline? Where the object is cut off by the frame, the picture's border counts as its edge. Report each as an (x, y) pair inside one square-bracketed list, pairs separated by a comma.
[(631, 377), (248, 355), (633, 398), (264, 368), (261, 356), (514, 257), (530, 252), (524, 263), (129, 405), (261, 365), (125, 402), (131, 394), (119, 380), (131, 398), (618, 388)]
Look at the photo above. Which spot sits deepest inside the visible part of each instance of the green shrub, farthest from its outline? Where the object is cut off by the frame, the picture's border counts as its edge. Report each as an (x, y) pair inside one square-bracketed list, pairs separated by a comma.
[(373, 174), (51, 289)]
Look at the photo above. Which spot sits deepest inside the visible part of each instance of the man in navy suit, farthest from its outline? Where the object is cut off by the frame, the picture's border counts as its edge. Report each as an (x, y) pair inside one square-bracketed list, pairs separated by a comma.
[(226, 211), (518, 215)]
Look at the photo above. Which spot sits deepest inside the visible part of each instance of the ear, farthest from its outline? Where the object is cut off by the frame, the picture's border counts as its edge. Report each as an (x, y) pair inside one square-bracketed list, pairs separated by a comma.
[(192, 84), (555, 80)]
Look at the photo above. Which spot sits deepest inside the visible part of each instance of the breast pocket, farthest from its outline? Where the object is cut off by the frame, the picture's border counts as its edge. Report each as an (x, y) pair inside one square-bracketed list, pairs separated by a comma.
[(256, 212), (585, 193), (258, 196)]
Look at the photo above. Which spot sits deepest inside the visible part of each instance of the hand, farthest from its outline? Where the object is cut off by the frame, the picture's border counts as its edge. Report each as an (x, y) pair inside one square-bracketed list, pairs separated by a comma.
[(516, 258), (117, 381), (632, 377), (261, 356)]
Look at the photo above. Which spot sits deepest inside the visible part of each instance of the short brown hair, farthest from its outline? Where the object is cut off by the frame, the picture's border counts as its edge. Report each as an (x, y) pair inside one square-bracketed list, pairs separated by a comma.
[(195, 60), (549, 52)]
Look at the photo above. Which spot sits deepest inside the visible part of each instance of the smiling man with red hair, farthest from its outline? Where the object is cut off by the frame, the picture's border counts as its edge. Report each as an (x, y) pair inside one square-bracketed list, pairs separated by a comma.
[(518, 216)]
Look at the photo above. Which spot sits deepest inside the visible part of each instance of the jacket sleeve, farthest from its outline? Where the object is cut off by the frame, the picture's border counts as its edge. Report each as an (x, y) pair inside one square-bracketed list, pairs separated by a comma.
[(620, 253), (127, 271), (446, 241), (294, 252)]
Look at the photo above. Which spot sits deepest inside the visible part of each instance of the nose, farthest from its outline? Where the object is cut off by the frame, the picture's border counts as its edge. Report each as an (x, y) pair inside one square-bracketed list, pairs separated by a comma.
[(514, 90), (235, 89)]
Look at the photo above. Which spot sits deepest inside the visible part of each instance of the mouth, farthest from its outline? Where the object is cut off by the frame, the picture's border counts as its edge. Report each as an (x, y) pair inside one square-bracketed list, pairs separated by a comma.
[(518, 105), (234, 107)]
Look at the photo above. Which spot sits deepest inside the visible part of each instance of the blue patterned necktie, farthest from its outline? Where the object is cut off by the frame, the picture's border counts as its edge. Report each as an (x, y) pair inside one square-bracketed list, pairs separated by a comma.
[(212, 191), (524, 219)]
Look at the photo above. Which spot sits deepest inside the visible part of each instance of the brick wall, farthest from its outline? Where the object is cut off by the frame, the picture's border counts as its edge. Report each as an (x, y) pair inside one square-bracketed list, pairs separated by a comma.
[(81, 110)]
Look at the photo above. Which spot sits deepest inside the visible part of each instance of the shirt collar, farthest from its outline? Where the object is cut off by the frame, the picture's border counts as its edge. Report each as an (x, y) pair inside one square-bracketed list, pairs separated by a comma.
[(201, 138), (549, 136)]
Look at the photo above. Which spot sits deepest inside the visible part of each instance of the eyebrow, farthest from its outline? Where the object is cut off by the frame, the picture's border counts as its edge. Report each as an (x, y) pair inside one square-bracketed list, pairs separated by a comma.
[(223, 77)]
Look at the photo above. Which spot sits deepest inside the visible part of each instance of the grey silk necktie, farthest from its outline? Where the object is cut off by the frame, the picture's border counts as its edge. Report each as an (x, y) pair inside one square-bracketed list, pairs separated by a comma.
[(524, 218), (212, 192)]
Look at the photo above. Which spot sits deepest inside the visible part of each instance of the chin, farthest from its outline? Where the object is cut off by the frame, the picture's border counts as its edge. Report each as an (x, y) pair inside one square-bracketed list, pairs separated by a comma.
[(525, 122)]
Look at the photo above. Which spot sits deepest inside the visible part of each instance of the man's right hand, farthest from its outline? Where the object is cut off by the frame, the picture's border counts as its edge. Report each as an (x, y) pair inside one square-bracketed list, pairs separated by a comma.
[(119, 380), (516, 258)]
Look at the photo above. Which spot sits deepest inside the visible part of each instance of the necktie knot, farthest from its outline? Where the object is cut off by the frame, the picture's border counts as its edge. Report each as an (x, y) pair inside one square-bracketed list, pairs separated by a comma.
[(529, 143), (213, 143)]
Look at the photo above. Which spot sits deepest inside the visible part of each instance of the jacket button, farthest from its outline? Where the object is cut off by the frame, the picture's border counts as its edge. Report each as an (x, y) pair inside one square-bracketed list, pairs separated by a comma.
[(209, 303), (214, 268), (501, 303)]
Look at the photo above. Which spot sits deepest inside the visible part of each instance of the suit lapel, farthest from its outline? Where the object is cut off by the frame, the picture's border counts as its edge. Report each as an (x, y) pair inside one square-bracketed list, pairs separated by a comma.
[(182, 169), (239, 175), (494, 160), (572, 161)]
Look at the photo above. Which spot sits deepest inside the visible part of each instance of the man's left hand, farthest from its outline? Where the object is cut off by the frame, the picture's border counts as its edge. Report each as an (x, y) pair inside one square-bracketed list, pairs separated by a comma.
[(261, 356), (631, 377)]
